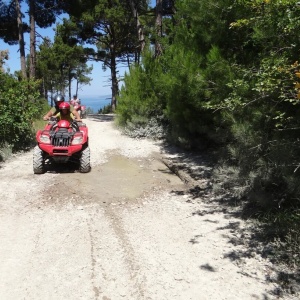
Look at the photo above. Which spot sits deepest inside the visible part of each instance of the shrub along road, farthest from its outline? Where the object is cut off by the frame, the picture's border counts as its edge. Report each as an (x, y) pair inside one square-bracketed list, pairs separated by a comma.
[(129, 229)]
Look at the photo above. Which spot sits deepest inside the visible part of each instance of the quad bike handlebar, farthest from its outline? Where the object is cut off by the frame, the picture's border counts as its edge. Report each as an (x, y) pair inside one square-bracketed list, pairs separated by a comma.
[(55, 119)]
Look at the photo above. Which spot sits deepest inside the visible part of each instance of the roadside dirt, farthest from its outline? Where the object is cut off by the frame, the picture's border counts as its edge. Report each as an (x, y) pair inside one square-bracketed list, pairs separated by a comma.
[(129, 229)]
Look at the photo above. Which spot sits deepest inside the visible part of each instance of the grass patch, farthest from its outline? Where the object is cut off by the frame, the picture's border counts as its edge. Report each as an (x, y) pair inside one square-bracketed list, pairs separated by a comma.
[(38, 125)]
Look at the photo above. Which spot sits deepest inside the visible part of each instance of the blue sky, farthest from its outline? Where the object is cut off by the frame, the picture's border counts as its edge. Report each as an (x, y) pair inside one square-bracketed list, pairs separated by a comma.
[(100, 85)]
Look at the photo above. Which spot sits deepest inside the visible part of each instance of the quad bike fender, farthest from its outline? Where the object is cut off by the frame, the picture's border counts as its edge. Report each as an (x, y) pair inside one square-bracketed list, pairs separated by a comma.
[(84, 131), (38, 134), (60, 151)]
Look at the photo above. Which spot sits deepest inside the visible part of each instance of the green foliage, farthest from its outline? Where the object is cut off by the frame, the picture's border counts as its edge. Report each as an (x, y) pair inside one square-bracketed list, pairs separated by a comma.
[(8, 24), (60, 63), (141, 96), (263, 112), (105, 110), (19, 107), (226, 78), (110, 26), (195, 88), (89, 111)]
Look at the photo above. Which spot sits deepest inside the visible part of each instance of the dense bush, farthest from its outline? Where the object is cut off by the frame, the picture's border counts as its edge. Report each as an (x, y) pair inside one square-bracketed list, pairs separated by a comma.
[(237, 95), (19, 106), (105, 109), (144, 96), (227, 79)]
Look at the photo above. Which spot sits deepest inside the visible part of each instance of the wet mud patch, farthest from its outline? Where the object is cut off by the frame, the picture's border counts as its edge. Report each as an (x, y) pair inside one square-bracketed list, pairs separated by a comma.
[(120, 179)]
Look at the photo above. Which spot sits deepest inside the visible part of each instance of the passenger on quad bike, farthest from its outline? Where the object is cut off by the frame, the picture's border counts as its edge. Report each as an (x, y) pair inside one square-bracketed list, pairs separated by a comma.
[(75, 100), (65, 113), (58, 99), (81, 109)]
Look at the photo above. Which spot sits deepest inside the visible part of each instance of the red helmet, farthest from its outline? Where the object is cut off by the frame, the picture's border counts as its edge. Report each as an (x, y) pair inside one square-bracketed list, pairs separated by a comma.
[(64, 105)]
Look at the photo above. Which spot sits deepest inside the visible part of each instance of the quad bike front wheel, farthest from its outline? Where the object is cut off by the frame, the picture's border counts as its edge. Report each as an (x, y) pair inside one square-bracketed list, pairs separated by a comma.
[(84, 161), (38, 161)]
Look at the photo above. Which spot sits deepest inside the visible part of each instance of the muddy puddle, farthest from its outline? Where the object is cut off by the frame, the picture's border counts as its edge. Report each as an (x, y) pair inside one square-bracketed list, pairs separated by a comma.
[(119, 180)]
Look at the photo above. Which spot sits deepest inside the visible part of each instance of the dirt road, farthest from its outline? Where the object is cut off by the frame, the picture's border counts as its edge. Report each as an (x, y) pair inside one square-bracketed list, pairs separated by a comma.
[(126, 230)]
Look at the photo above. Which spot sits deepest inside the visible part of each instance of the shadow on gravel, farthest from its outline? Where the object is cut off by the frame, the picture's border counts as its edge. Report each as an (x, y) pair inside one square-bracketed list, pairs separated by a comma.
[(101, 117), (257, 239), (59, 168), (208, 267), (189, 165)]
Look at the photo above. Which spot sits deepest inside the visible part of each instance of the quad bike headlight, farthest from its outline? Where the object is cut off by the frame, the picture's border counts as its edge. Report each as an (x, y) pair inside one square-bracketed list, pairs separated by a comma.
[(45, 139), (77, 139)]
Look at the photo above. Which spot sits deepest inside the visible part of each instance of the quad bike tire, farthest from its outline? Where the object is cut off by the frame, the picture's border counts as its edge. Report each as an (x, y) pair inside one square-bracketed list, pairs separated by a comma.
[(38, 161), (84, 161)]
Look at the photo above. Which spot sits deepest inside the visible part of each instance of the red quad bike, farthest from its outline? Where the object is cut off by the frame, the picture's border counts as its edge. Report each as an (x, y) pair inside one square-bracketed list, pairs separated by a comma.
[(62, 141), (81, 110)]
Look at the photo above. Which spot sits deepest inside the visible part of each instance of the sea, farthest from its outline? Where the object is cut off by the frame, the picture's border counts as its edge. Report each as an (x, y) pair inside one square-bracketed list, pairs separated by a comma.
[(95, 103)]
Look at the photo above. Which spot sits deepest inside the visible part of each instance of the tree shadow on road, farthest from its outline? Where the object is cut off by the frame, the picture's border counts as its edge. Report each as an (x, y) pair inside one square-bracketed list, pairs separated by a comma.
[(256, 238), (101, 117)]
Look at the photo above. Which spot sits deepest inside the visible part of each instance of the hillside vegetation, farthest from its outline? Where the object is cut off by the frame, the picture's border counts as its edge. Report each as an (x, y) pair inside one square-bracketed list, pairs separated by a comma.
[(227, 83)]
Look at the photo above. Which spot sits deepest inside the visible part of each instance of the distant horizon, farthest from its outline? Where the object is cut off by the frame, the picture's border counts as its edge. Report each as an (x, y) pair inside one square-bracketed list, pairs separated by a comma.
[(88, 97), (94, 96)]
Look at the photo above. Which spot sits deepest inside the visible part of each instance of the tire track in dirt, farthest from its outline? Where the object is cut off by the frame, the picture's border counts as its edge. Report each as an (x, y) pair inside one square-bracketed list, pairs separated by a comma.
[(126, 230)]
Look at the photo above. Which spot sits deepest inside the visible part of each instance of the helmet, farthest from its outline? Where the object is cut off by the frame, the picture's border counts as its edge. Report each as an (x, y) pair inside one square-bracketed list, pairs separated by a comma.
[(59, 99), (64, 105)]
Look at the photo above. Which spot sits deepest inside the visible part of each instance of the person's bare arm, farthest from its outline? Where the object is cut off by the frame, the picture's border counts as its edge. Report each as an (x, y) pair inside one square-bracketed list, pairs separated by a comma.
[(48, 115), (76, 114)]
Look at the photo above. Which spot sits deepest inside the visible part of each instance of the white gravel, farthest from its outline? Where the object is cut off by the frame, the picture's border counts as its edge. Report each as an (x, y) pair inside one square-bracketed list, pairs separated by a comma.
[(62, 238)]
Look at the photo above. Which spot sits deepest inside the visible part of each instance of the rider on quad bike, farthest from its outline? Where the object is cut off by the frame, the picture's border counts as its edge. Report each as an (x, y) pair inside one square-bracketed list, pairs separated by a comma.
[(75, 100), (65, 113), (62, 140), (58, 99), (81, 109)]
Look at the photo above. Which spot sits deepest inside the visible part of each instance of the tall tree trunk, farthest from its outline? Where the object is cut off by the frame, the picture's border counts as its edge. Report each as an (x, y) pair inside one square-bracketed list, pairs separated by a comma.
[(113, 68), (139, 28), (77, 87), (32, 38), (70, 84), (114, 82), (21, 39), (45, 91), (51, 95), (158, 25)]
